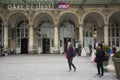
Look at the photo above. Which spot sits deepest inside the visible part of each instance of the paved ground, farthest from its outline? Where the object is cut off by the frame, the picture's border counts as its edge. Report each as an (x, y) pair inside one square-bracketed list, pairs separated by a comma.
[(48, 67)]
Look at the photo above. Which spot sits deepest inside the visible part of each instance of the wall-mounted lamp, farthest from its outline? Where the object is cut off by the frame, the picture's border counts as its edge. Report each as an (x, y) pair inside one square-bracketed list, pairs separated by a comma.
[(95, 34)]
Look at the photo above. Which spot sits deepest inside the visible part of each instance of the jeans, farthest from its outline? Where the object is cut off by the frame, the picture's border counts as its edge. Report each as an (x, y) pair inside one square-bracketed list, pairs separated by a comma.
[(100, 68), (70, 63)]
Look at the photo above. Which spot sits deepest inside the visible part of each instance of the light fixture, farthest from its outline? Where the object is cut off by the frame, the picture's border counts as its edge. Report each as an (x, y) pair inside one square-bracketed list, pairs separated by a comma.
[(95, 34)]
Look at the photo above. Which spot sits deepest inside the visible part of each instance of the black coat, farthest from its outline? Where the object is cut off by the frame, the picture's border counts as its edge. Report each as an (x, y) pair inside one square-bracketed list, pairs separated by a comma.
[(69, 52), (100, 56)]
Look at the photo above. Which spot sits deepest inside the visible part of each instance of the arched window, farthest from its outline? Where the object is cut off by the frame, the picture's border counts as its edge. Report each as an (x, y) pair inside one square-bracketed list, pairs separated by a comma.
[(114, 34), (1, 33), (21, 31)]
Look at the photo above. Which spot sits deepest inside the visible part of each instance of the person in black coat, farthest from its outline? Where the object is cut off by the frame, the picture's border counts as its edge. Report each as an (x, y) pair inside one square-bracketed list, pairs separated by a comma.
[(90, 48), (69, 55), (99, 59)]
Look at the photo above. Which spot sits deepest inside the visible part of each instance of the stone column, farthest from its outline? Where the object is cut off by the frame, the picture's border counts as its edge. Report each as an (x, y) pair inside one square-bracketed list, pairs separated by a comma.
[(56, 40), (81, 33), (106, 34), (30, 44), (5, 36)]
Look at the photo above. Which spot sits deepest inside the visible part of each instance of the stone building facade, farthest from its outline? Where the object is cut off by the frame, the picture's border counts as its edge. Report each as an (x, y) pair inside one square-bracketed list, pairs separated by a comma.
[(47, 31)]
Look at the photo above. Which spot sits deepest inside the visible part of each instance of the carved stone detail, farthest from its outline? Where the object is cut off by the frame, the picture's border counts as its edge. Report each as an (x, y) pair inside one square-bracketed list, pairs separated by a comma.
[(30, 13), (80, 11)]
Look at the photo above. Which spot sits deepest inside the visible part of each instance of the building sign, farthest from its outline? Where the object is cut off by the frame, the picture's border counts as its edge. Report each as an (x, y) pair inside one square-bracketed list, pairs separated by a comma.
[(38, 6), (63, 5)]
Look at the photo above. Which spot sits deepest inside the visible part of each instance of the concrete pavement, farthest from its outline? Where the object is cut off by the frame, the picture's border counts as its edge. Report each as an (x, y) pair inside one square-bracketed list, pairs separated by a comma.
[(48, 67)]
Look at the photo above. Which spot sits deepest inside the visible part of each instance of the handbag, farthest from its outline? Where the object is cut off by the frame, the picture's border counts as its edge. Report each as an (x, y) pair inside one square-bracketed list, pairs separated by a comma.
[(95, 60)]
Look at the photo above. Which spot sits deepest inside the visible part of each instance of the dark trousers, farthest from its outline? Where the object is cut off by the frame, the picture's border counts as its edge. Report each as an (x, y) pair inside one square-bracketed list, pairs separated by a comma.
[(70, 63), (90, 51), (100, 68)]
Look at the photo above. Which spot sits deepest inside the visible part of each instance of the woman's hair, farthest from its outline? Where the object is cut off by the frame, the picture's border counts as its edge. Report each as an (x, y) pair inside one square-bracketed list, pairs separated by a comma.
[(100, 45)]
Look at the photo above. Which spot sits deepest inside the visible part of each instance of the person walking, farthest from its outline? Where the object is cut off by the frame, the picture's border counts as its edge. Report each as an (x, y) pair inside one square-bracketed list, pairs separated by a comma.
[(90, 48), (99, 60), (69, 55), (80, 48)]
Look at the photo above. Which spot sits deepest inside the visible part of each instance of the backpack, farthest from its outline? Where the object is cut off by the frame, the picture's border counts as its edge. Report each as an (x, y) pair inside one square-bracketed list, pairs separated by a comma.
[(73, 52), (105, 57)]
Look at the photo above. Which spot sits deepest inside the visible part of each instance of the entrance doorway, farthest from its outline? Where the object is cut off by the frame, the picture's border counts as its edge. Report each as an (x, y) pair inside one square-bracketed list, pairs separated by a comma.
[(46, 45), (24, 45), (87, 41), (65, 41), (1, 34), (89, 37), (72, 40), (22, 37)]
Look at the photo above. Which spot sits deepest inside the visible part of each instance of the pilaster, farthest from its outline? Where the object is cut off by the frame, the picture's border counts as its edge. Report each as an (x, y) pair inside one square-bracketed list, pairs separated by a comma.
[(5, 36), (106, 33), (30, 44), (56, 39), (81, 33)]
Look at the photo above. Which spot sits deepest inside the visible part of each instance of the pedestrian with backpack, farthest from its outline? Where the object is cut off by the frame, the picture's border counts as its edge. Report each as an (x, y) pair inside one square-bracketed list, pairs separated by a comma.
[(100, 54), (70, 53)]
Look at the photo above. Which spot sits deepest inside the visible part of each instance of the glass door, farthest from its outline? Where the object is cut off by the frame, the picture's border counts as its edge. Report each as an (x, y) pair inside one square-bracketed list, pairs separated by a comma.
[(89, 37), (1, 36), (22, 37), (114, 35)]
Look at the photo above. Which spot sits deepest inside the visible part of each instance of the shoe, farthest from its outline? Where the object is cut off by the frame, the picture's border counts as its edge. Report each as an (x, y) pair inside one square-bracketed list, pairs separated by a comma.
[(75, 70), (97, 74), (101, 75)]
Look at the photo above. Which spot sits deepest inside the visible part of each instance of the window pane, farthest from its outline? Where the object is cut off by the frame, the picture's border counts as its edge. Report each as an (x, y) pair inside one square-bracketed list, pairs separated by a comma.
[(26, 30), (18, 42), (60, 43), (18, 30), (18, 35), (52, 42), (86, 34), (117, 42), (109, 32), (22, 34), (90, 34), (26, 35), (117, 32), (39, 42), (113, 32), (113, 41)]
